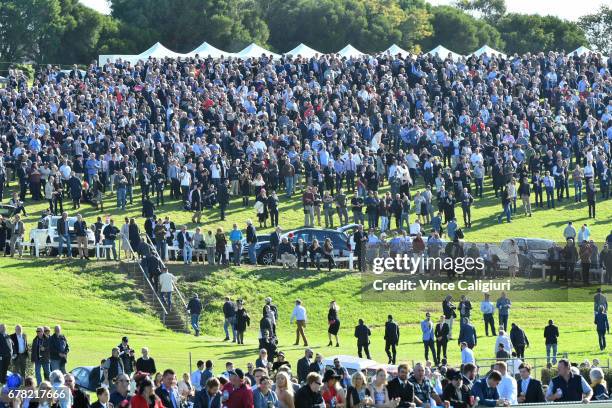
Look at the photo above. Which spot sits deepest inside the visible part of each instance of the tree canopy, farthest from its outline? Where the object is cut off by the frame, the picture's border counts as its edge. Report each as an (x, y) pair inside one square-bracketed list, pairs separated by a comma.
[(66, 32)]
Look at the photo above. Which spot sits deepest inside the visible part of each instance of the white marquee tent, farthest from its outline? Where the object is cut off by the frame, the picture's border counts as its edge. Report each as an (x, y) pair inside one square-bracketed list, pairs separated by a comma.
[(205, 50), (443, 52), (157, 50), (254, 51), (303, 50), (485, 49), (394, 50), (350, 52), (580, 51)]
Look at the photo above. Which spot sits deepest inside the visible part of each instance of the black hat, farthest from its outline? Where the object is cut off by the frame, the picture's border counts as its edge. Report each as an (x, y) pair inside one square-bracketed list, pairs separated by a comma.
[(239, 373), (329, 374)]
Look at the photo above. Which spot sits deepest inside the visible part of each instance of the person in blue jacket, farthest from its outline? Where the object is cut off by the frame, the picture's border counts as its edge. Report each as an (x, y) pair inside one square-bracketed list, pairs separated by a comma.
[(485, 390)]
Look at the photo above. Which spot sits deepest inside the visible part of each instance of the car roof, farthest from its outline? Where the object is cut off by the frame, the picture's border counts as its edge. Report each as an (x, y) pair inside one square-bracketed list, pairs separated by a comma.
[(351, 362)]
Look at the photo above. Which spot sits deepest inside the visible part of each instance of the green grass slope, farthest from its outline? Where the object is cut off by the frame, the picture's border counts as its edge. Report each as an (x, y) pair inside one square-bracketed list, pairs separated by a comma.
[(97, 305)]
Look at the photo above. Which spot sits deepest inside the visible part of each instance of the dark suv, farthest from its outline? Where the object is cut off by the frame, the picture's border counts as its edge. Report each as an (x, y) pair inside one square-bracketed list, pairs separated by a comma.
[(340, 240)]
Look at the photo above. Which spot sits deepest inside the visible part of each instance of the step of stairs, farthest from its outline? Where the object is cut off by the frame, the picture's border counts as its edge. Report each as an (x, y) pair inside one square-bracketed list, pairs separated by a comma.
[(175, 320)]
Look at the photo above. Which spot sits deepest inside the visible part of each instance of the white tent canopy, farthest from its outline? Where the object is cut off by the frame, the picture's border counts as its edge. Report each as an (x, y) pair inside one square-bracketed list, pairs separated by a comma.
[(580, 51), (304, 51), (205, 50), (157, 50), (485, 49), (254, 51), (443, 52), (350, 52), (394, 50)]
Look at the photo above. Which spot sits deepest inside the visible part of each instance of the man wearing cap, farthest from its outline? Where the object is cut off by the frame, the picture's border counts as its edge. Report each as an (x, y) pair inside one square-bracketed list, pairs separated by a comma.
[(236, 394), (195, 308)]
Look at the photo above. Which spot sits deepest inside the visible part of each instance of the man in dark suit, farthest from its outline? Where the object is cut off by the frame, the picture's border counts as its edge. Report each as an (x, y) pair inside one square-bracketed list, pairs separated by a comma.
[(467, 333), (363, 333), (529, 389), (401, 388), (209, 396), (21, 350), (41, 356), (6, 353), (63, 235), (441, 333), (168, 396), (485, 389), (223, 198), (392, 334), (303, 365), (103, 396), (96, 375), (79, 397), (359, 239)]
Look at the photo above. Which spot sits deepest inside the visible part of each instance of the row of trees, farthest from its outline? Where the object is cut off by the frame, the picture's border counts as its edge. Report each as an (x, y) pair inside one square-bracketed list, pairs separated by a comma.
[(65, 31)]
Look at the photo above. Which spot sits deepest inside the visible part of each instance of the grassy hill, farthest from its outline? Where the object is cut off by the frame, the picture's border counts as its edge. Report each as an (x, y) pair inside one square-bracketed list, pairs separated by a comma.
[(97, 305)]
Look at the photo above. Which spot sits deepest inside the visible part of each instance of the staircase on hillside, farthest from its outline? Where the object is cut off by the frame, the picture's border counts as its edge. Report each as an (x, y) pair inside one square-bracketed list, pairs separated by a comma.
[(175, 318)]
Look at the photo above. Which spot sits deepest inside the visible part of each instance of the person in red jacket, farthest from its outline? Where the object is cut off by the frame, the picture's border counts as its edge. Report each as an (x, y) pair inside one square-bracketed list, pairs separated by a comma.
[(237, 394), (145, 396)]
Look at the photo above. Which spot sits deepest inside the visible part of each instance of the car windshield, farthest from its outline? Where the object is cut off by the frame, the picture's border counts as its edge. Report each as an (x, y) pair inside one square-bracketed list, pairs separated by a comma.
[(539, 244), (54, 221)]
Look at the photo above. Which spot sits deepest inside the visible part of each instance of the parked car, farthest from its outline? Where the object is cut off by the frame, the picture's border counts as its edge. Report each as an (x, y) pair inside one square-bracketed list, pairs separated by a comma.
[(81, 377), (7, 211), (45, 235), (340, 240), (354, 364)]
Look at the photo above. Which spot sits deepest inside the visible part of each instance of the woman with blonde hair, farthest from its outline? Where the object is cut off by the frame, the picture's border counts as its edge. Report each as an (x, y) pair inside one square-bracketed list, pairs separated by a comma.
[(358, 394), (378, 389), (598, 384), (284, 390)]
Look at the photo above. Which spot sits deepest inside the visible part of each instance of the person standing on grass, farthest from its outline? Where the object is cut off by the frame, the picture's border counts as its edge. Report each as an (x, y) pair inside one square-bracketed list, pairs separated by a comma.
[(333, 322), (229, 314), (363, 333), (194, 307), (600, 300), (6, 353), (21, 350), (603, 327), (59, 349), (427, 330), (551, 335), (145, 363), (441, 334), (251, 239), (591, 194), (503, 305), (80, 230), (299, 315), (236, 240)]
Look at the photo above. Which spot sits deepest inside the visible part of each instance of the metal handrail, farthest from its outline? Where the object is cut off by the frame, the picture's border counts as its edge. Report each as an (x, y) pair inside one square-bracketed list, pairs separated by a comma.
[(176, 289), (148, 281)]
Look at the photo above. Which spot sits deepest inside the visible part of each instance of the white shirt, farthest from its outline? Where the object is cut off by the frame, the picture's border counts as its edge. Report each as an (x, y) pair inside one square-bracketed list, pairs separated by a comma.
[(166, 281), (21, 344), (507, 389), (486, 307), (299, 313), (467, 356), (505, 340)]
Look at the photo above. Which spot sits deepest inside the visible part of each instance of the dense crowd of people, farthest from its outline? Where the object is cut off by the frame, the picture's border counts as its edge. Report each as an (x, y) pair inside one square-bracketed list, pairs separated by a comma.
[(203, 130), (270, 381)]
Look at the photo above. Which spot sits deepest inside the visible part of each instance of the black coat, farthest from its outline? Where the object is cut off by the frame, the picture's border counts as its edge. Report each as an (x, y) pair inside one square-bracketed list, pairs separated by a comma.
[(392, 332), (6, 347), (202, 399), (362, 333), (242, 320), (405, 392), (442, 331), (534, 393), (94, 377), (303, 366)]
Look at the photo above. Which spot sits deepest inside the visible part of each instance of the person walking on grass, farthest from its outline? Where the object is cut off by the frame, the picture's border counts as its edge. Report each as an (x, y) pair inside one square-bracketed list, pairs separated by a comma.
[(194, 307), (229, 314), (392, 334), (603, 327), (299, 315), (334, 322), (363, 333)]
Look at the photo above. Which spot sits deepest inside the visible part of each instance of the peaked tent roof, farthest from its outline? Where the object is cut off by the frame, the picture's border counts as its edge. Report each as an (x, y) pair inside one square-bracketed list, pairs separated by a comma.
[(580, 51), (254, 51), (489, 51), (304, 51), (394, 50), (157, 50), (350, 52), (205, 49), (443, 53)]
